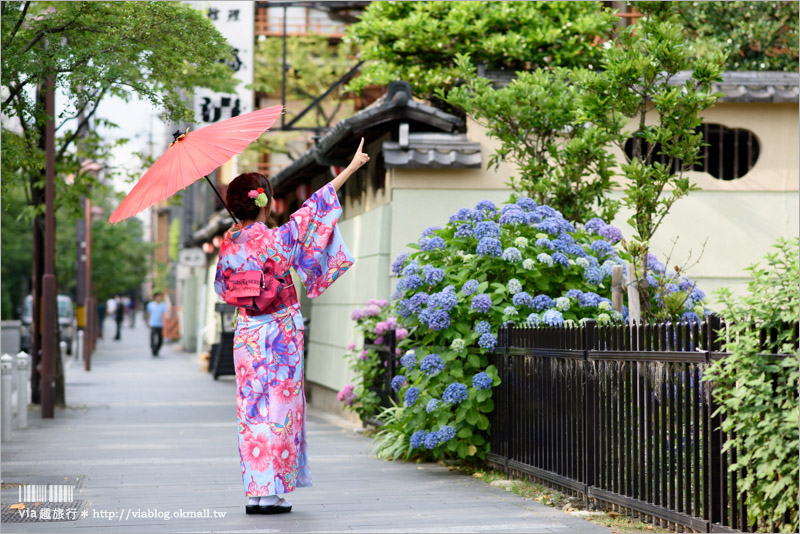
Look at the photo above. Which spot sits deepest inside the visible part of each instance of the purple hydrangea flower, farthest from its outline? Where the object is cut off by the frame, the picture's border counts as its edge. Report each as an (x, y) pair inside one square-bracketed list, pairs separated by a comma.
[(560, 258), (483, 327), (398, 382), (431, 364), (412, 394), (533, 218), (433, 275), (522, 299), (526, 203), (469, 287), (464, 230), (429, 244), (603, 248), (550, 226), (486, 229), (455, 393), (481, 303), (654, 264), (438, 320), (593, 225), (546, 211), (487, 341), (412, 282), (542, 302), (486, 205), (356, 315), (513, 216), (482, 381), (428, 231), (544, 242), (445, 300), (399, 262), (612, 234), (464, 214), (411, 268)]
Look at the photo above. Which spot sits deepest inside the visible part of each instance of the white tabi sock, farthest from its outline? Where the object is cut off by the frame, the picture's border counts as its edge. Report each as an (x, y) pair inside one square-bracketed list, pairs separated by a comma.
[(252, 501), (271, 500)]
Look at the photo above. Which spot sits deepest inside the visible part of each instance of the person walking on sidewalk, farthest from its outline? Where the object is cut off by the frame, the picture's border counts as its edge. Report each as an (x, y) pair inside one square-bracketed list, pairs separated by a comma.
[(156, 309), (119, 316), (268, 338)]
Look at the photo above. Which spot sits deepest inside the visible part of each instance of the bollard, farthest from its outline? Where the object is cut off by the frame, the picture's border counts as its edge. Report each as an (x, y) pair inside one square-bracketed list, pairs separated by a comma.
[(62, 348), (7, 366), (23, 372), (79, 345)]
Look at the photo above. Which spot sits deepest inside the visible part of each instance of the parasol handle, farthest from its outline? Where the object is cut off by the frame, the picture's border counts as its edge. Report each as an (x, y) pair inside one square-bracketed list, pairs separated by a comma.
[(235, 220)]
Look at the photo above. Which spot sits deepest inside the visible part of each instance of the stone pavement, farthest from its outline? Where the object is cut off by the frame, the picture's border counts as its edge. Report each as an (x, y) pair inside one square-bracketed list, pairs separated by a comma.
[(148, 439)]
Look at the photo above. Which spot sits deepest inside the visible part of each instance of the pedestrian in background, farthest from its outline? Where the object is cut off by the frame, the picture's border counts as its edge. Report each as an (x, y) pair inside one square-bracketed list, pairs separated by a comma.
[(155, 311), (111, 307), (119, 315), (132, 311)]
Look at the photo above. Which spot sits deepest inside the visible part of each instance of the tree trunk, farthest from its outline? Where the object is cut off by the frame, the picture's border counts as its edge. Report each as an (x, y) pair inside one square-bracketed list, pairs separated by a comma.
[(644, 293)]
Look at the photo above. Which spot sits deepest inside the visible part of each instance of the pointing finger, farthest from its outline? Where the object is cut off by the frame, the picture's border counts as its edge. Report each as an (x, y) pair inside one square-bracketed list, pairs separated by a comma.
[(360, 146)]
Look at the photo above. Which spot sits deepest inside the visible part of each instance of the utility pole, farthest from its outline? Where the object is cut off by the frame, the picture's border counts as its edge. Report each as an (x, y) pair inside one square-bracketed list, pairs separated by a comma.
[(49, 309)]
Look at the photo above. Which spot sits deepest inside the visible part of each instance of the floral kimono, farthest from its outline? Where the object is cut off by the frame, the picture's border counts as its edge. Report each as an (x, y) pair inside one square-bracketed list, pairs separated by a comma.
[(268, 348)]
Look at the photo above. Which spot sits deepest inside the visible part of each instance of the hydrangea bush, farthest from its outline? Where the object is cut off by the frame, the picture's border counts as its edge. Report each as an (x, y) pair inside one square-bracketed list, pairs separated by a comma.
[(521, 262), (374, 320)]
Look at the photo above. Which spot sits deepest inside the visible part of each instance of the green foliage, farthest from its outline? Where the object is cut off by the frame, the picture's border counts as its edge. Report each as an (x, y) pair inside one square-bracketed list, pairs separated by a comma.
[(94, 50), (120, 257), (754, 35), (420, 42), (17, 253), (634, 86), (561, 159), (758, 393)]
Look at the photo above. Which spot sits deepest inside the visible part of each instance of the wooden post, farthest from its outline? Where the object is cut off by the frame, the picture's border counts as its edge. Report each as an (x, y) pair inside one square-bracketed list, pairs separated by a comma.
[(634, 306), (617, 291)]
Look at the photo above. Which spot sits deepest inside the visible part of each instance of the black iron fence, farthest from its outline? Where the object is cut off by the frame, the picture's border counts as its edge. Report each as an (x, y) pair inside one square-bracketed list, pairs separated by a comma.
[(386, 371), (620, 415)]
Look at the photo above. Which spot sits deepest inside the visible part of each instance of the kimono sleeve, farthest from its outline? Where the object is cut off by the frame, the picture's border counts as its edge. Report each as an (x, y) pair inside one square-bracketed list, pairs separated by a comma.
[(219, 280), (315, 246)]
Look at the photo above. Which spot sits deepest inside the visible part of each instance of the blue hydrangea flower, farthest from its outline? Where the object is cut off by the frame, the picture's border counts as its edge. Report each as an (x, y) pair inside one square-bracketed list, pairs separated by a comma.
[(575, 294), (533, 319), (432, 404), (431, 440), (404, 308), (445, 300), (563, 303), (438, 320), (398, 382), (433, 275), (489, 246), (512, 254), (464, 230), (547, 211), (528, 264), (651, 280), (486, 205), (455, 393), (690, 316), (409, 360), (424, 316), (483, 327), (526, 203), (399, 289), (549, 225), (509, 311), (542, 302), (412, 282), (612, 234), (514, 286), (486, 229), (417, 439), (428, 231), (399, 263), (481, 303), (603, 248), (593, 275), (593, 225), (553, 318), (469, 287), (544, 242), (418, 301), (431, 364), (428, 244), (575, 249), (589, 300), (560, 258), (482, 381), (487, 341), (411, 268), (545, 258), (446, 433), (654, 264), (533, 218), (412, 394), (513, 216), (464, 214), (583, 262), (522, 299)]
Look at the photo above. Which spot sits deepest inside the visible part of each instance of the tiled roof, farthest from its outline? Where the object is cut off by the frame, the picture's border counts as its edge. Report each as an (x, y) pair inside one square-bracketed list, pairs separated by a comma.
[(432, 150)]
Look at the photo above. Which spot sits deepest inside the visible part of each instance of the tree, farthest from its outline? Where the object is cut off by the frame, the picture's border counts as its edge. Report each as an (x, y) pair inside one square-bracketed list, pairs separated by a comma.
[(561, 159), (634, 85), (420, 42), (755, 35)]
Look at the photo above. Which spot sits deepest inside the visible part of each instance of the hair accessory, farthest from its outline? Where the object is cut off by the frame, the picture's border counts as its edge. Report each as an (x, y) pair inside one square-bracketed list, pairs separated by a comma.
[(259, 195)]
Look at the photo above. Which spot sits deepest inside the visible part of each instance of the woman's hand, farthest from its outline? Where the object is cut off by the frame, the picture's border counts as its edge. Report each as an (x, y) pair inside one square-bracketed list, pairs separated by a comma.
[(358, 161)]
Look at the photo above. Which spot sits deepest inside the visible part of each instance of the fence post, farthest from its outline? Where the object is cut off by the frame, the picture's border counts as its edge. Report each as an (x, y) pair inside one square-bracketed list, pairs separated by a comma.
[(589, 409), (634, 305), (717, 497), (22, 390), (390, 341), (6, 383), (503, 336), (617, 288)]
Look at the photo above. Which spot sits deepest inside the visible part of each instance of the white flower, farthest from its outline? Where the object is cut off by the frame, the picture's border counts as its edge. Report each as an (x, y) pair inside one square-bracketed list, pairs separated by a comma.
[(563, 303), (521, 242), (457, 345), (527, 264), (604, 306), (583, 262)]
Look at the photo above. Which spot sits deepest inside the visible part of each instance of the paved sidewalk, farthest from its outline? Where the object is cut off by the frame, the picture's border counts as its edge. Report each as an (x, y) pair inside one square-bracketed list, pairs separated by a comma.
[(156, 436)]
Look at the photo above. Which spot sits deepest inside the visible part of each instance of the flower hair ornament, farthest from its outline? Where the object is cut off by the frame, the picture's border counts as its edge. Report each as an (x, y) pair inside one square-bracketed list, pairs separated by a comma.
[(259, 195)]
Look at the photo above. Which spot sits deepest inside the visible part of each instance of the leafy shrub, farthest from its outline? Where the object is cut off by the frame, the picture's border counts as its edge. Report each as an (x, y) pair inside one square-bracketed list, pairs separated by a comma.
[(758, 394), (373, 321), (523, 263)]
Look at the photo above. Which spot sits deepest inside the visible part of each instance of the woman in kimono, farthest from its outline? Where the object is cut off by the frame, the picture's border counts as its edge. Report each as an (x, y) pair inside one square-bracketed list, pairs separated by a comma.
[(268, 345)]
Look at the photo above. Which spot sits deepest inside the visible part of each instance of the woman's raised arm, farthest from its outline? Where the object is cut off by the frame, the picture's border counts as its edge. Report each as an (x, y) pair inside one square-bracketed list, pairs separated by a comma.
[(358, 161)]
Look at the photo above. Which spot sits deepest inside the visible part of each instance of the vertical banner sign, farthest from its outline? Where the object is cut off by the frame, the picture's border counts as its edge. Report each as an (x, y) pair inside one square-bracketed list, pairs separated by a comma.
[(235, 21)]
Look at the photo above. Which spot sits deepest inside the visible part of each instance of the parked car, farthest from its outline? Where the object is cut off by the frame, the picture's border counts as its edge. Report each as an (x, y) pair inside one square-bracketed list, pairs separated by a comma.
[(66, 322)]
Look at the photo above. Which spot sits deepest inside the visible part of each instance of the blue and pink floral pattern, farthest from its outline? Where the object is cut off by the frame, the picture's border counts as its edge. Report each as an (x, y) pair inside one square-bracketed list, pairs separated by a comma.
[(268, 349)]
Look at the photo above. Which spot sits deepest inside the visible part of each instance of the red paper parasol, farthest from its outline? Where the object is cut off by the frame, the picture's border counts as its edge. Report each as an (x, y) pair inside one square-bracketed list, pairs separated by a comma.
[(193, 156)]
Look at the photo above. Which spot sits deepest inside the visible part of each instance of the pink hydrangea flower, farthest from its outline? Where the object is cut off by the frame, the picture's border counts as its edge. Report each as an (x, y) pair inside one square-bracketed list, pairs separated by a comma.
[(380, 328), (351, 346), (391, 322), (401, 334), (364, 354), (371, 310)]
